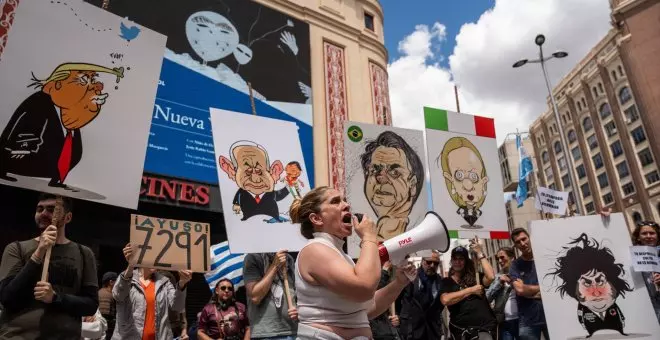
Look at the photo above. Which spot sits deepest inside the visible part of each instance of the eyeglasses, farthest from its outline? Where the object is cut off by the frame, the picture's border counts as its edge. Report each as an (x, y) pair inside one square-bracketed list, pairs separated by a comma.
[(647, 223), (227, 288), (431, 263)]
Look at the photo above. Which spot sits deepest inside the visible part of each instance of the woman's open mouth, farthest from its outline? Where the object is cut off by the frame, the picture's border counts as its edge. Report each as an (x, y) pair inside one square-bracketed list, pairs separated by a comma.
[(347, 219)]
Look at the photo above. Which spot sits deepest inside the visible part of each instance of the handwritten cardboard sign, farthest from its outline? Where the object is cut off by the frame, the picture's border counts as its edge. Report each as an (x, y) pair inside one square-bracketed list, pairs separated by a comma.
[(170, 244), (645, 259), (551, 201)]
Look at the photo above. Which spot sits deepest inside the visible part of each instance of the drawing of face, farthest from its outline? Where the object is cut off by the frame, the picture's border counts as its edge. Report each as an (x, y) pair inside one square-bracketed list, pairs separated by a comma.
[(292, 171), (464, 173), (78, 96), (595, 292), (253, 173), (212, 36), (389, 185), (243, 54)]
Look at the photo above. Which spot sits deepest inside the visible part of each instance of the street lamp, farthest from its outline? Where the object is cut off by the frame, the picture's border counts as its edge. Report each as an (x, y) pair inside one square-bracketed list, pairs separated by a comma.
[(540, 40)]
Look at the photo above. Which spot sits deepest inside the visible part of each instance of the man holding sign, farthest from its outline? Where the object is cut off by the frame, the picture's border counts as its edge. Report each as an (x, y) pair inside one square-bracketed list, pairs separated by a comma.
[(646, 234), (144, 298)]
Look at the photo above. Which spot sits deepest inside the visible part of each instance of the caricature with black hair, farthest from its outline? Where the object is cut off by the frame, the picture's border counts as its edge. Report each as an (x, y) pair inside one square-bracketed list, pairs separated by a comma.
[(590, 274)]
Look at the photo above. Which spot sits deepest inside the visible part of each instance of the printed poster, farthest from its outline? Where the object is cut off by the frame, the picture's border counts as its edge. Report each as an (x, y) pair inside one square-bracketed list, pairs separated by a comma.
[(385, 170), (77, 91), (260, 172), (588, 286), (466, 182)]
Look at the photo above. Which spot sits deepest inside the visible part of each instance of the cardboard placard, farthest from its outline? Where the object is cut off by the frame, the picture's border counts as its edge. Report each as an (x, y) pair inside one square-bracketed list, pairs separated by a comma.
[(167, 244), (645, 259), (551, 201)]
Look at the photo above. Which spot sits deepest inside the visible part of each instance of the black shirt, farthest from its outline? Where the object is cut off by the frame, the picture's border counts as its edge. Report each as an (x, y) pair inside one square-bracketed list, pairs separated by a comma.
[(472, 311)]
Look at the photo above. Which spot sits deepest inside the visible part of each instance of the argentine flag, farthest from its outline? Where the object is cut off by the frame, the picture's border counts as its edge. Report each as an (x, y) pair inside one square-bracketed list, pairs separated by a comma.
[(225, 265), (525, 168)]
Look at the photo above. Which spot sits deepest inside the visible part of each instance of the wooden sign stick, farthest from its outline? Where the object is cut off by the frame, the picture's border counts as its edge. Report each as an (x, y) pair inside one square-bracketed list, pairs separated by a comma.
[(285, 277), (58, 214)]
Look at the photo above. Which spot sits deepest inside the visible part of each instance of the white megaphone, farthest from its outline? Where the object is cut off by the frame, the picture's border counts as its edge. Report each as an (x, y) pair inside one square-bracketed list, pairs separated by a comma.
[(432, 233)]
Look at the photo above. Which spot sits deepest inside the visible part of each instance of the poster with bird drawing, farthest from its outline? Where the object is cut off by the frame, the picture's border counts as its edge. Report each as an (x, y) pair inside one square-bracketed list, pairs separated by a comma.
[(77, 90)]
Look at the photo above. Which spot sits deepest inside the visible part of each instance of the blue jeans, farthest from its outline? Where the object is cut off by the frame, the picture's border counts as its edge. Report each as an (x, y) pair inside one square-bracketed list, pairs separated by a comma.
[(527, 332), (509, 330)]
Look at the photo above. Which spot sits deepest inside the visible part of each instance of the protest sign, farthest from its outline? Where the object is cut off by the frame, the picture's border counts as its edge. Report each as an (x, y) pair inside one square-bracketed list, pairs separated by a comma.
[(167, 244), (551, 201), (645, 259)]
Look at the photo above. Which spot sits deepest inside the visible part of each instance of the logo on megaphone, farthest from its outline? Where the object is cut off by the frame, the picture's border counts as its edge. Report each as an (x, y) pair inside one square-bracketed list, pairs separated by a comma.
[(432, 233)]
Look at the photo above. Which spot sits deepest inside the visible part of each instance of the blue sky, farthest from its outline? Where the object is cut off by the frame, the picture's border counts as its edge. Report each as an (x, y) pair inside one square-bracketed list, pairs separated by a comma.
[(401, 17)]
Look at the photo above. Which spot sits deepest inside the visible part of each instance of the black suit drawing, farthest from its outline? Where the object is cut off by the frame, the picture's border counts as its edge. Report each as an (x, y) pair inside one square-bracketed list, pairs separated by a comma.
[(470, 215), (592, 322), (32, 141), (267, 203)]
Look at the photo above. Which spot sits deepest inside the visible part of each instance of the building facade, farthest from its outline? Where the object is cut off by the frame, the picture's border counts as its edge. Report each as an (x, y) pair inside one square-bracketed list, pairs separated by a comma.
[(609, 129)]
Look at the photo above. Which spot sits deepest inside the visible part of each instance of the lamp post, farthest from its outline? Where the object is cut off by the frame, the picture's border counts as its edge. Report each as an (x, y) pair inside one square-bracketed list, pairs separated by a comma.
[(540, 40)]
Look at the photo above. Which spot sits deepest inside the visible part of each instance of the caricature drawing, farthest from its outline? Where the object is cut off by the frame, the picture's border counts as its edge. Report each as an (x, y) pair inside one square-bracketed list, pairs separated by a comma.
[(292, 181), (251, 169), (590, 275), (466, 179), (43, 136), (393, 180)]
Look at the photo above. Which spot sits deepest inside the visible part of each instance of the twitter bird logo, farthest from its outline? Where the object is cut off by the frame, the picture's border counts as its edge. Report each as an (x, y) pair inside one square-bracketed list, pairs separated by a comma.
[(129, 33)]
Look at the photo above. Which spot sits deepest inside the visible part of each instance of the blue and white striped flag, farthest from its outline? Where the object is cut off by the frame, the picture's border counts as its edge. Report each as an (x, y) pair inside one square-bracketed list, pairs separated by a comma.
[(225, 265), (525, 168)]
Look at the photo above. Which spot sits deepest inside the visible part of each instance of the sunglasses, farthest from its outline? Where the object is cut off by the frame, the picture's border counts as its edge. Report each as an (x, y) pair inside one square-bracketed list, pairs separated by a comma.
[(431, 263), (227, 288), (647, 223)]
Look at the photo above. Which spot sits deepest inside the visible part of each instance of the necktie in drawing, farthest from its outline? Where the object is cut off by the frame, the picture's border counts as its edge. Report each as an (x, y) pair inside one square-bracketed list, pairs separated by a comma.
[(257, 198), (64, 162)]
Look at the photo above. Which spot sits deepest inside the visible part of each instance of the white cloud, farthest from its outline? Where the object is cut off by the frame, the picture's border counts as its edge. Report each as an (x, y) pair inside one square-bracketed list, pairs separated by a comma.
[(482, 58)]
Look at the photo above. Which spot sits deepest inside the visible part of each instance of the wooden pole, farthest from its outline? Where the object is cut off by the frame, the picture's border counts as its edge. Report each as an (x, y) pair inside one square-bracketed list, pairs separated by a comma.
[(58, 214), (458, 104), (254, 107), (285, 277)]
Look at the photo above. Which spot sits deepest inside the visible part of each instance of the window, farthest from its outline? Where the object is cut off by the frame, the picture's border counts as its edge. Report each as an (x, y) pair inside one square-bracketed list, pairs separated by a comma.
[(564, 118), (566, 181), (610, 129), (652, 177), (579, 105), (545, 157), (620, 70), (607, 198), (624, 95), (590, 207), (622, 169), (581, 172), (549, 174), (595, 92), (562, 163), (645, 157), (557, 147), (605, 110), (593, 143), (614, 76), (572, 136), (369, 21), (638, 135), (586, 192), (628, 188), (600, 87), (631, 114), (602, 181), (576, 153), (636, 217), (617, 149), (584, 102), (598, 161), (587, 124)]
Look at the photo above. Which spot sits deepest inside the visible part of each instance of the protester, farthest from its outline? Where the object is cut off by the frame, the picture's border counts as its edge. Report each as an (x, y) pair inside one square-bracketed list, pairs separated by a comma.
[(94, 327), (271, 315), (223, 318), (144, 298), (503, 297), (192, 331), (384, 326), (646, 234), (469, 312), (336, 296), (528, 294), (107, 304), (178, 321), (35, 309), (421, 309)]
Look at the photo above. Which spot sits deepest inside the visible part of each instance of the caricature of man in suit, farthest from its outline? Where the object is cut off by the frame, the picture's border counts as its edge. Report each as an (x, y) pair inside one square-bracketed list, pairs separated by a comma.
[(255, 176), (42, 138)]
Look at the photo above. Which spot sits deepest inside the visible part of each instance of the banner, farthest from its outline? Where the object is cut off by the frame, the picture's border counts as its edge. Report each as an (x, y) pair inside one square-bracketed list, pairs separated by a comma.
[(170, 244), (645, 259), (77, 91), (584, 270), (551, 201)]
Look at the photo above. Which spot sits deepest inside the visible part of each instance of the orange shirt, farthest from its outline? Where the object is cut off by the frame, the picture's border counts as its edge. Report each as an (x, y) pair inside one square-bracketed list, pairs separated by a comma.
[(149, 331)]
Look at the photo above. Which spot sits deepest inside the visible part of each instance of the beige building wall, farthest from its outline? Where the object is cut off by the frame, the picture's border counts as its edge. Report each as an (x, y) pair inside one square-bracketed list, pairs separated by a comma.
[(349, 73)]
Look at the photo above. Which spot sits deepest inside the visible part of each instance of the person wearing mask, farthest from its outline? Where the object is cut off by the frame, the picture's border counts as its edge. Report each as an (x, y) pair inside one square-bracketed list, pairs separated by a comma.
[(469, 312), (35, 309), (421, 309), (503, 298), (528, 294), (336, 296), (223, 318), (107, 305), (384, 326), (94, 327), (646, 234), (272, 317), (144, 298)]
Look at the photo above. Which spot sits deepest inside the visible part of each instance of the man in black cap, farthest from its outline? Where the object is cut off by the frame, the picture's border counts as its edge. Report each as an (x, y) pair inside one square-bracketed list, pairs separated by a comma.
[(107, 304)]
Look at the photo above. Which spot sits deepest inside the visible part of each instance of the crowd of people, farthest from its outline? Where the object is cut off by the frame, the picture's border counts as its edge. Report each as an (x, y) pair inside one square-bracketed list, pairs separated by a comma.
[(322, 294)]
